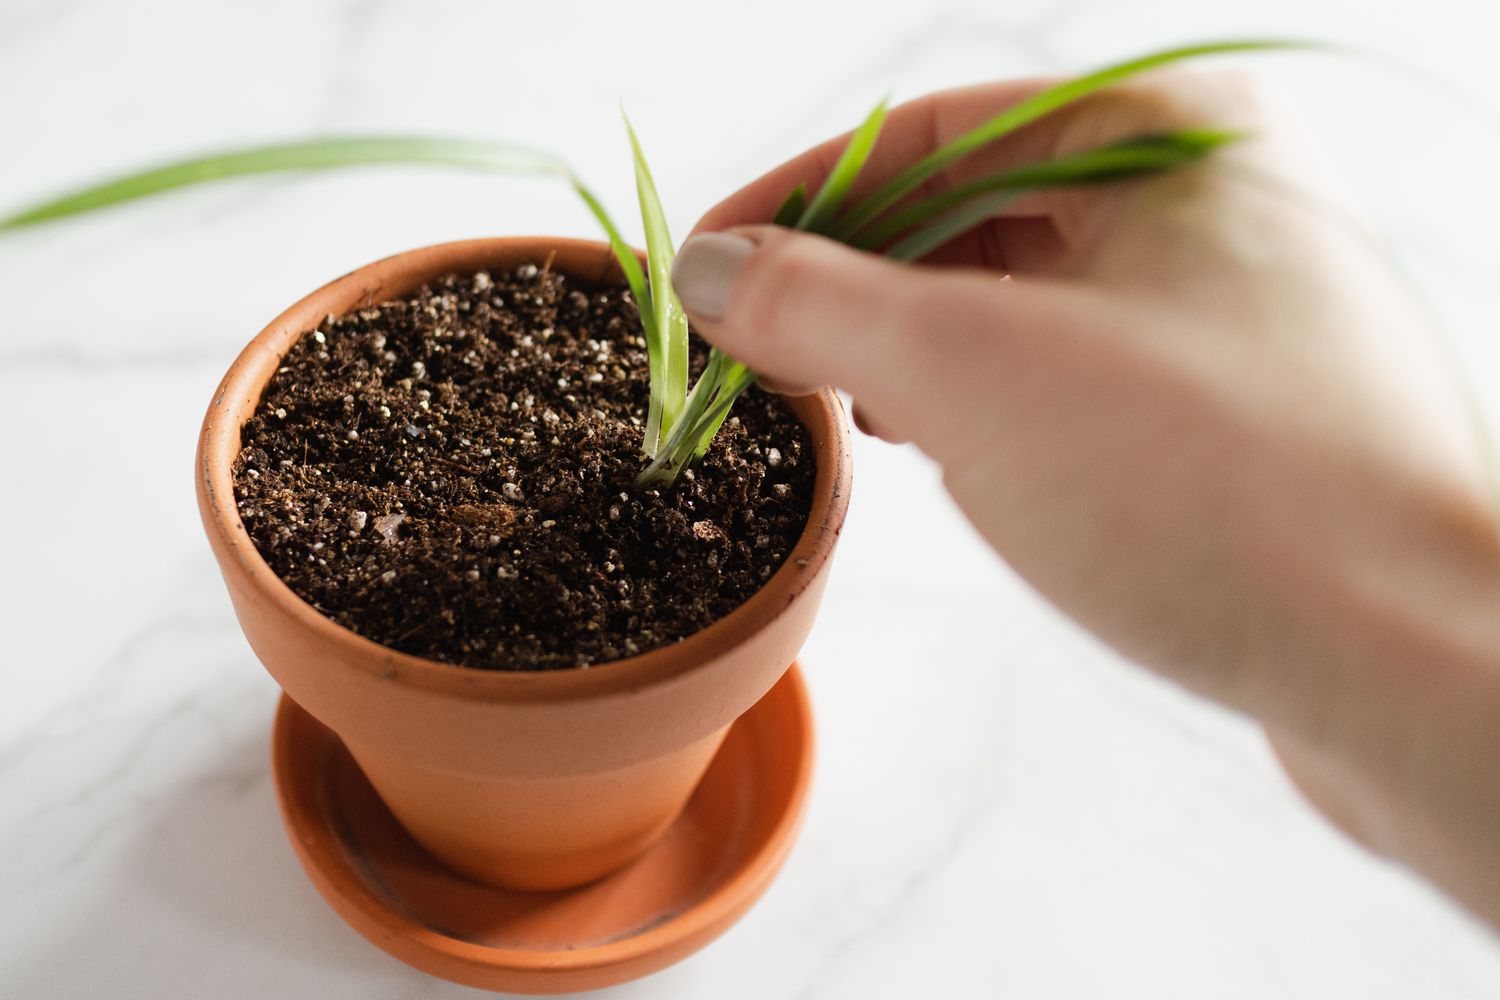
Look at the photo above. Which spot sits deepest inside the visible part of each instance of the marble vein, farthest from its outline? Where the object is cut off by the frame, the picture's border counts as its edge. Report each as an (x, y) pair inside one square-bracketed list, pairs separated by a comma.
[(873, 921)]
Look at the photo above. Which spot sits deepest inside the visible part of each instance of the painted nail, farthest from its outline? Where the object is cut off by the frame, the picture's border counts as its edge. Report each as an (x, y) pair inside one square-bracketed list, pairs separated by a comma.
[(705, 271)]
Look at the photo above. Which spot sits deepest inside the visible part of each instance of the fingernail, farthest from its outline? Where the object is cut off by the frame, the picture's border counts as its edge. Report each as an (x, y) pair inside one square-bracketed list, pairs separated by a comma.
[(705, 272)]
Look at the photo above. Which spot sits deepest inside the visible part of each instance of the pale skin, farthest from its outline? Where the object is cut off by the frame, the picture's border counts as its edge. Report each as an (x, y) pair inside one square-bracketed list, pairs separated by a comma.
[(1202, 415)]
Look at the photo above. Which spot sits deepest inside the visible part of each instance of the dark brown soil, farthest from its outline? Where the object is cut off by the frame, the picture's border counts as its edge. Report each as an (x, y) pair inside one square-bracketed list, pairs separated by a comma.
[(450, 475)]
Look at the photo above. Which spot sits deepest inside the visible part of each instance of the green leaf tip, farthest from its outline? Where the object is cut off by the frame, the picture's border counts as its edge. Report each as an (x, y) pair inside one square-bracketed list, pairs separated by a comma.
[(829, 200), (667, 337)]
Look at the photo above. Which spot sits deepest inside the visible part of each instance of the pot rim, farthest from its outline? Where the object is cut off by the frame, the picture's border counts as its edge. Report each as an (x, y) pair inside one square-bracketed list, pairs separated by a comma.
[(219, 441)]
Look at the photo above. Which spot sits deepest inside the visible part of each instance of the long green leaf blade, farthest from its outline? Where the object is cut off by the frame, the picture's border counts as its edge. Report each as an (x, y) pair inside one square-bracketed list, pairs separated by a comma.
[(630, 265), (830, 197), (667, 341), (975, 203), (311, 154), (1116, 161), (1025, 112)]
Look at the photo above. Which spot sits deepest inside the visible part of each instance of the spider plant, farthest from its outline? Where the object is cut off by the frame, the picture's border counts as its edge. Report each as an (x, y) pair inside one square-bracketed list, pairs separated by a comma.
[(682, 420)]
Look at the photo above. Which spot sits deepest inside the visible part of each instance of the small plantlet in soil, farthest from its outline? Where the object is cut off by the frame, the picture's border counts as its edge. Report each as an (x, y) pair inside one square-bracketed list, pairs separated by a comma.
[(451, 474)]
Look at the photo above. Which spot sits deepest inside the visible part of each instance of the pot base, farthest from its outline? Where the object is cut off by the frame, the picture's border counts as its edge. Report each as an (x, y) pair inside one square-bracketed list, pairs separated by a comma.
[(702, 875)]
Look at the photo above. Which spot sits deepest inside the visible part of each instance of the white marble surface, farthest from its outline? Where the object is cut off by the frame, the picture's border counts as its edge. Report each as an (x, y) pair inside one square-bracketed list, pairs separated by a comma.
[(1002, 808)]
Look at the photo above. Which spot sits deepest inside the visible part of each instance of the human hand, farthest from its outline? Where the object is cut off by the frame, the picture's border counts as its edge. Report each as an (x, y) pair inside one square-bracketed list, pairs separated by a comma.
[(1201, 414)]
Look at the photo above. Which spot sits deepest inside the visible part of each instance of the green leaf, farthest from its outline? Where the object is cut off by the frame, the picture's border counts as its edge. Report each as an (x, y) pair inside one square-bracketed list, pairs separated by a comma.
[(667, 339), (736, 379), (630, 265), (1116, 161), (830, 197), (973, 204), (791, 209), (1023, 113), (312, 154)]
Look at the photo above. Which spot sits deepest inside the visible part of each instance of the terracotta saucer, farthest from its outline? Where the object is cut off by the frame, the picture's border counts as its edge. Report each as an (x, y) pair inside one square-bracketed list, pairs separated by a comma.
[(707, 870)]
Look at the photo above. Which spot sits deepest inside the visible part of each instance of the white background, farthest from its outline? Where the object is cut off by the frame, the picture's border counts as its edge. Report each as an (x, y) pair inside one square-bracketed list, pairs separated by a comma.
[(1002, 807)]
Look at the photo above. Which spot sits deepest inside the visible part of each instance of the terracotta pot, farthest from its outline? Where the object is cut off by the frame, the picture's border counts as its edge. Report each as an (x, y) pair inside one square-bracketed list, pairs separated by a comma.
[(525, 780)]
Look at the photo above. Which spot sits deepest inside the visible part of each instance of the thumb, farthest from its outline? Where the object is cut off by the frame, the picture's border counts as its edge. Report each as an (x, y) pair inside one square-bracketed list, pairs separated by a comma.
[(906, 340)]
